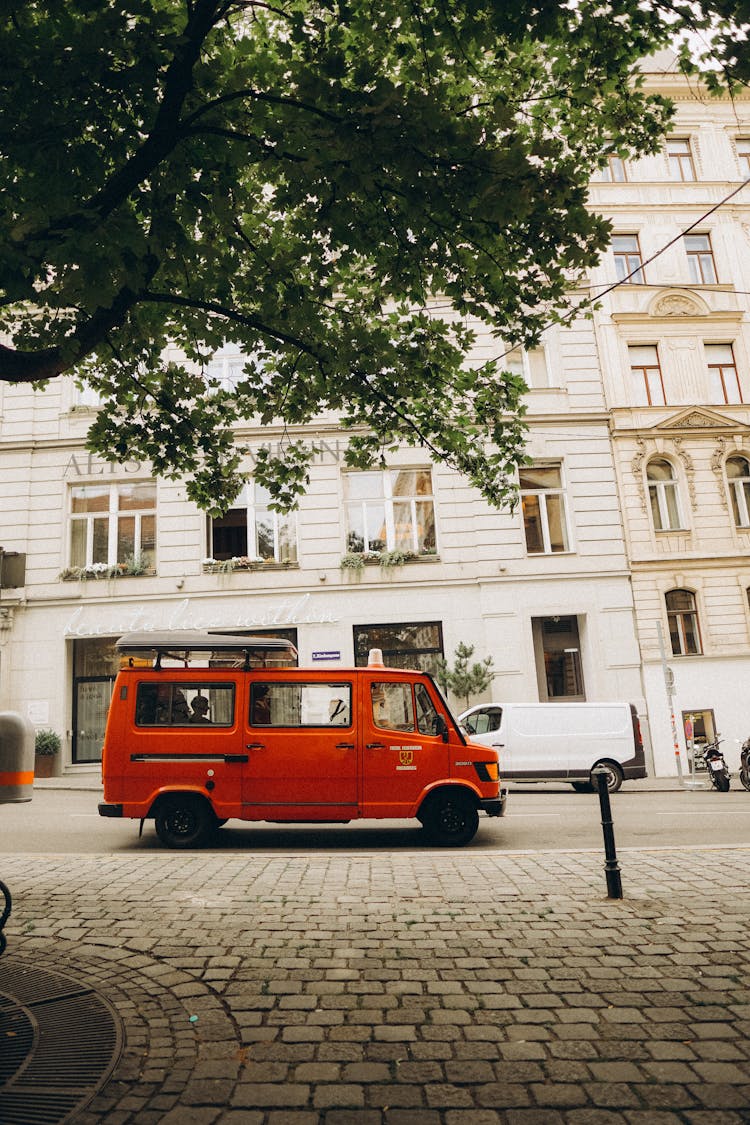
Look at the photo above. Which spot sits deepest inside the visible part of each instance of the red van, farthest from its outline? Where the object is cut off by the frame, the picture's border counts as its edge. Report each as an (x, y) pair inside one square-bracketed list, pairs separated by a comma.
[(207, 727)]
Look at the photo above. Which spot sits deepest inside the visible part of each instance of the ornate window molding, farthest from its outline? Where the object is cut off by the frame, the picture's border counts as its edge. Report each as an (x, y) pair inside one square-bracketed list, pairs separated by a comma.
[(689, 469), (677, 304), (717, 467)]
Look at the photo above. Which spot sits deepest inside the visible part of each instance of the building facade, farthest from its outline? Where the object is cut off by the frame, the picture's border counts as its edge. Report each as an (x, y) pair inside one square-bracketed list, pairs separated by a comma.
[(674, 352), (624, 574), (409, 559)]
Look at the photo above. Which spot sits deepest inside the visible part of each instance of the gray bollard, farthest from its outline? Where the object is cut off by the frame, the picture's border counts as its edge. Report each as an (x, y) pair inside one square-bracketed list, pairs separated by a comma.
[(16, 757), (611, 866)]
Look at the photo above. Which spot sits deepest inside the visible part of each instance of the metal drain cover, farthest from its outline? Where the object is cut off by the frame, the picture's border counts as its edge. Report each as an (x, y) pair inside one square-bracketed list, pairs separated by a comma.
[(59, 1043)]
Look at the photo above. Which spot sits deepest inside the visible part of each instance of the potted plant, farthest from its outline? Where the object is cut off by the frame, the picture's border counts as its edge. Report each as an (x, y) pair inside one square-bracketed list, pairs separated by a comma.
[(46, 748)]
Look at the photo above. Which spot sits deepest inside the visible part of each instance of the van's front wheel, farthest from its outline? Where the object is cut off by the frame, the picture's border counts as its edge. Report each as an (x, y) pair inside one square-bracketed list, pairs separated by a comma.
[(450, 819), (184, 821)]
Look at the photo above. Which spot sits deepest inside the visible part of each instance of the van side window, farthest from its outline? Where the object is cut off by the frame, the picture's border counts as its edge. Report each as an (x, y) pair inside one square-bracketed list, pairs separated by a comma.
[(485, 721), (392, 706), (166, 704), (275, 704), (426, 711)]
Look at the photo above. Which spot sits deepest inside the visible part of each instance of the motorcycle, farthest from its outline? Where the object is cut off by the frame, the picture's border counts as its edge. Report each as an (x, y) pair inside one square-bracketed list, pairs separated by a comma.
[(716, 766), (745, 763)]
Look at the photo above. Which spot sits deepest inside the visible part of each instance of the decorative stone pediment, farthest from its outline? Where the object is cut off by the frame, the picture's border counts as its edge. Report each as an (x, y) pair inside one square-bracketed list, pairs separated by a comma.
[(675, 302), (699, 418)]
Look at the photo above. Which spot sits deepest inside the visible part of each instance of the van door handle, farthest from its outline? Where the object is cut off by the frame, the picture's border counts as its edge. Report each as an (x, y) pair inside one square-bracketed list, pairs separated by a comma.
[(376, 746), (498, 745), (344, 745), (255, 745)]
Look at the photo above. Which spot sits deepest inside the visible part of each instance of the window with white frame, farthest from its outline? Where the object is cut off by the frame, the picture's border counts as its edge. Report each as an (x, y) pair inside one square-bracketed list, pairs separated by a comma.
[(738, 479), (743, 155), (226, 367), (530, 364), (662, 494), (113, 524), (251, 530), (682, 618), (680, 159), (700, 256), (614, 171), (392, 510), (724, 381), (543, 508), (85, 396), (628, 261), (646, 382)]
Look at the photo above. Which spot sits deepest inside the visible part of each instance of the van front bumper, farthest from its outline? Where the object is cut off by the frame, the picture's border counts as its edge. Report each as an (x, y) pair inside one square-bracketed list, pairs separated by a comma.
[(110, 810), (496, 805)]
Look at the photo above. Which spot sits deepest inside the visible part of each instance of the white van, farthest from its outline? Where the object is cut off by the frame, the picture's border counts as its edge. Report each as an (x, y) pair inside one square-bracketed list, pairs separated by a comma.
[(560, 741)]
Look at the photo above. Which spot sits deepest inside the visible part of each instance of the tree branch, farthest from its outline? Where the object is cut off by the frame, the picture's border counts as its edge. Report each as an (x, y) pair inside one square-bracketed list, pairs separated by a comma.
[(262, 96), (18, 366), (163, 135), (235, 135), (230, 314)]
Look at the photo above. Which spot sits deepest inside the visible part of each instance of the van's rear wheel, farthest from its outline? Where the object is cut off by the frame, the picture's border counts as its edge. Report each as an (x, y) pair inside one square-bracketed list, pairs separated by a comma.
[(614, 776), (450, 819), (184, 821)]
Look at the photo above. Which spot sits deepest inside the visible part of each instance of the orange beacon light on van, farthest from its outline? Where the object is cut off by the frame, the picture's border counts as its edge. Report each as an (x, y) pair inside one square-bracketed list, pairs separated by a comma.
[(206, 727)]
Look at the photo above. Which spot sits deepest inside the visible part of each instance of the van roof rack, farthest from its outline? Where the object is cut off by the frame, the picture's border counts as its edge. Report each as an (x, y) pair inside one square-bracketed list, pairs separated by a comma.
[(177, 643)]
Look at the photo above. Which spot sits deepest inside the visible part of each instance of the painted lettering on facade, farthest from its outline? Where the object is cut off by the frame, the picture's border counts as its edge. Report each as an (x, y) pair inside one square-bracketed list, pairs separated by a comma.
[(290, 611), (89, 465), (320, 451)]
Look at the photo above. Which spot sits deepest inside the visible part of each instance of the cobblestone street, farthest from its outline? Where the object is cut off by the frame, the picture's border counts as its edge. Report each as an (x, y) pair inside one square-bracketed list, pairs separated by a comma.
[(461, 988)]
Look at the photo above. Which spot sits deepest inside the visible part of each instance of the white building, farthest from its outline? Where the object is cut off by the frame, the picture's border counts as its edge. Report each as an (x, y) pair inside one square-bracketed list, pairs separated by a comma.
[(629, 554), (675, 350), (545, 591)]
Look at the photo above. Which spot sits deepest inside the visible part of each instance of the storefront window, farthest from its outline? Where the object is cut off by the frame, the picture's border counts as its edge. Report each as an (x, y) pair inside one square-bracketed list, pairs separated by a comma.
[(699, 728), (417, 645), (557, 649), (95, 665)]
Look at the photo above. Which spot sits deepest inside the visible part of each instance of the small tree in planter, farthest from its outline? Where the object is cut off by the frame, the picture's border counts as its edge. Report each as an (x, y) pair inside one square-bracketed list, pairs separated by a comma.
[(46, 748), (464, 679)]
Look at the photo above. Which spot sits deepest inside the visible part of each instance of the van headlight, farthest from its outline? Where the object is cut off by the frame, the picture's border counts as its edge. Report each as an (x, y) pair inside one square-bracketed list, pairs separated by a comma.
[(487, 771)]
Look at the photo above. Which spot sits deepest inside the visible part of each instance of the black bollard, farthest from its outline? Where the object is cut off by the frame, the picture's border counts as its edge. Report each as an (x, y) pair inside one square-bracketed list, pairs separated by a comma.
[(4, 913), (612, 868)]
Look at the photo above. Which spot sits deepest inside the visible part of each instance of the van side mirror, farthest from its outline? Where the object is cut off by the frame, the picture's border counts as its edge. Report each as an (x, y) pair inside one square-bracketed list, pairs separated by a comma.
[(441, 727)]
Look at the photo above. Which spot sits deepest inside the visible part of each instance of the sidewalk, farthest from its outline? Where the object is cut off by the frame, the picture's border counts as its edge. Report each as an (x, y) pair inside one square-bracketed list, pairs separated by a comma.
[(411, 988)]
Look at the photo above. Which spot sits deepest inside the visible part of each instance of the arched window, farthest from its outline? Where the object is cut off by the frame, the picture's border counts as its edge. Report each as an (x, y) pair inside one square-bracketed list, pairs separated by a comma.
[(662, 494), (682, 616), (738, 479)]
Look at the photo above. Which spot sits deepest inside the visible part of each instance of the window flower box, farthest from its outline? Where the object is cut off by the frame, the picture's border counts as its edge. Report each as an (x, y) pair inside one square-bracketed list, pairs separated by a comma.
[(356, 561), (131, 568), (245, 562)]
